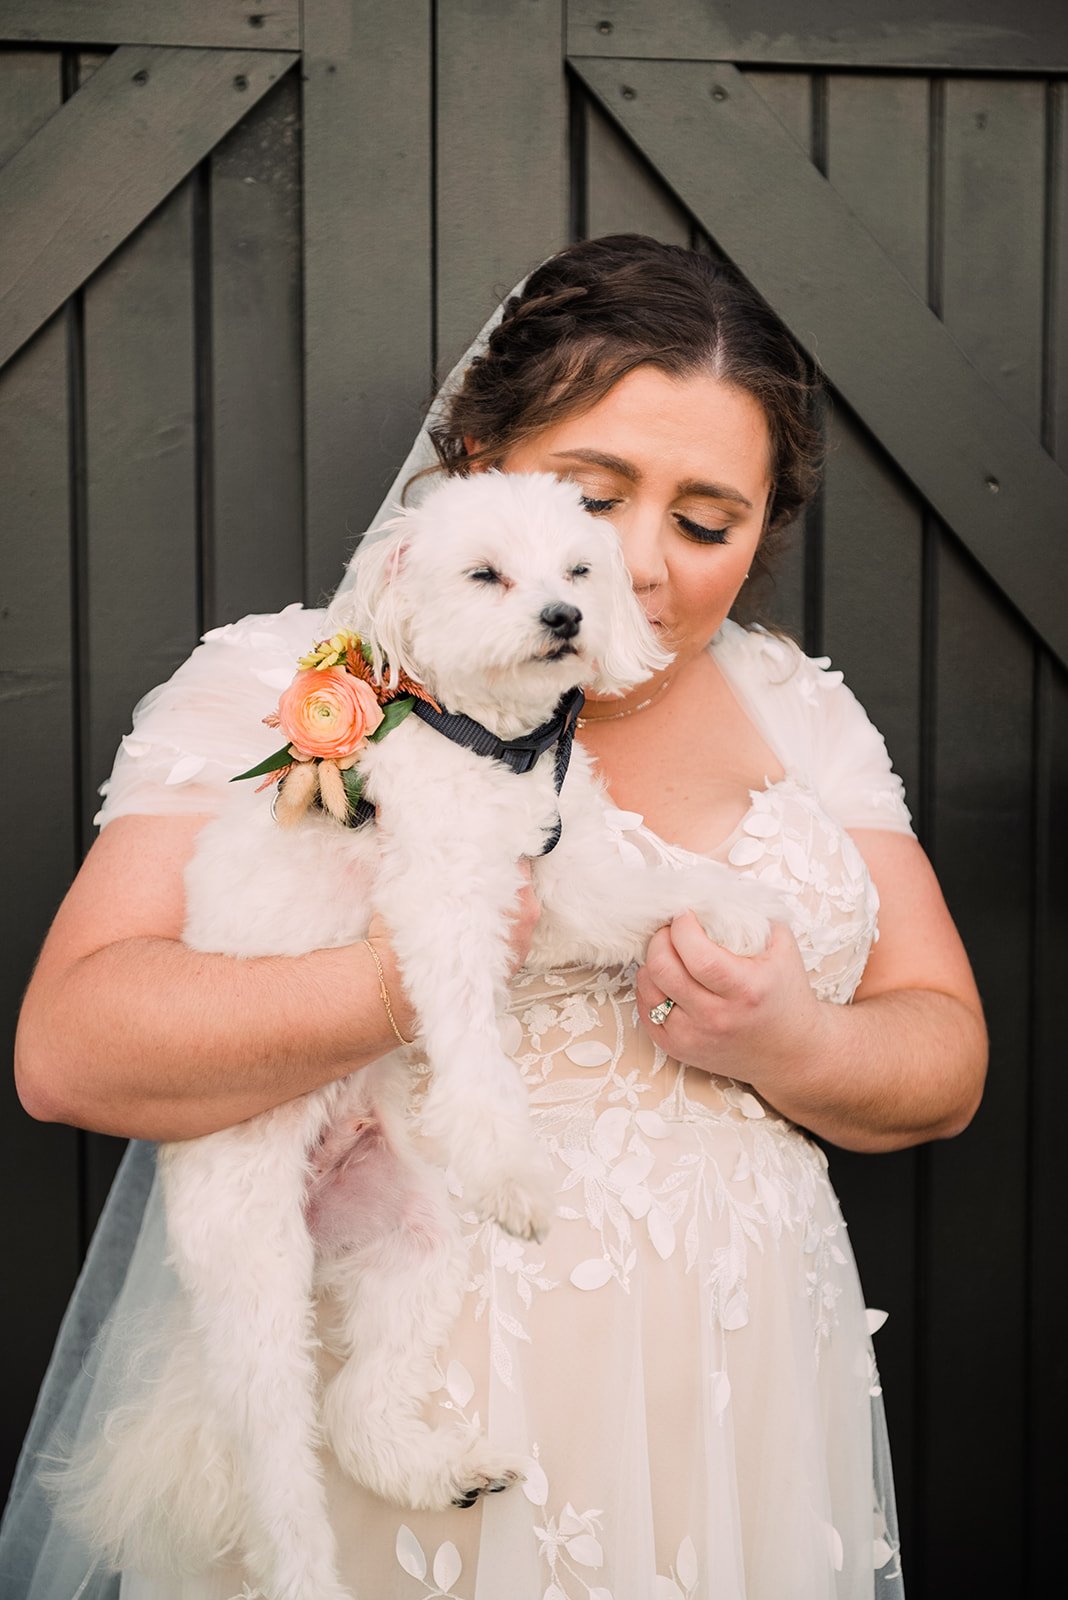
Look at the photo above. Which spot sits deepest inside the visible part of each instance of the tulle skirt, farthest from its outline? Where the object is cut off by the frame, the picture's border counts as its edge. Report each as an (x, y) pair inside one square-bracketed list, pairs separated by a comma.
[(685, 1362)]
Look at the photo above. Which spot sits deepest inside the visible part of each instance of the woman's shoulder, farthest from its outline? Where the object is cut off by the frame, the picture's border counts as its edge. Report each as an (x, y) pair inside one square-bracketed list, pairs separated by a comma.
[(816, 725), (773, 659), (194, 732)]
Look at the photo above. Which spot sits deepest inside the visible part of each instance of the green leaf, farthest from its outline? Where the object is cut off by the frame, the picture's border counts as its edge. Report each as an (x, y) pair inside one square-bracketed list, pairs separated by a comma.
[(394, 712), (281, 758), (365, 651), (353, 781)]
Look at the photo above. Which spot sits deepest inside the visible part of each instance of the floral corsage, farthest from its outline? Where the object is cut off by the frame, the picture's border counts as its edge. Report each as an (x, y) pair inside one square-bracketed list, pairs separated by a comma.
[(329, 713)]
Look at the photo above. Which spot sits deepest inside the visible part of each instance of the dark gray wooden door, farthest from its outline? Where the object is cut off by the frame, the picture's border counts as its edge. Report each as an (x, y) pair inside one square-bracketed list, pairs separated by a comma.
[(241, 242)]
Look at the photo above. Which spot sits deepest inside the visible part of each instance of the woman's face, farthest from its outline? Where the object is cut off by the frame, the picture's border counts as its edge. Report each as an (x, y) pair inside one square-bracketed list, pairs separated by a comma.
[(680, 467)]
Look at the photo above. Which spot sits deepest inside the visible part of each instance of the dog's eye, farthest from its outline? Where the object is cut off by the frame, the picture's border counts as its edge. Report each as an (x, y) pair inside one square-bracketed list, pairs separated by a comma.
[(580, 571), (485, 575)]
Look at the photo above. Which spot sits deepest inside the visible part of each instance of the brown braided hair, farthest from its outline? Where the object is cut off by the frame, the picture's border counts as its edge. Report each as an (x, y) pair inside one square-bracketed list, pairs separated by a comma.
[(598, 309)]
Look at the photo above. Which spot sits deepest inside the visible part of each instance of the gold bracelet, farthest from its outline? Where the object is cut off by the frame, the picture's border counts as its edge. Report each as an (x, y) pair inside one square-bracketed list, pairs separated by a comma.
[(384, 992)]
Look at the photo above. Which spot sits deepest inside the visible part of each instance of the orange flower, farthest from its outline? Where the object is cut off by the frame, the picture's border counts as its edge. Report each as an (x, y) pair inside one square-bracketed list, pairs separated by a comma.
[(327, 713)]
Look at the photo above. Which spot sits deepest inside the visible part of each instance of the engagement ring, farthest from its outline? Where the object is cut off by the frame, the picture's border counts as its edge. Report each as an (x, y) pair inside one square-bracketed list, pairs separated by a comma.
[(661, 1012)]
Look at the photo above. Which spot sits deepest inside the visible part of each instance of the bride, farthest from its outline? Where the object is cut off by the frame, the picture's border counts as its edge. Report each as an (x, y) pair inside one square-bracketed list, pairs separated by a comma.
[(686, 1362)]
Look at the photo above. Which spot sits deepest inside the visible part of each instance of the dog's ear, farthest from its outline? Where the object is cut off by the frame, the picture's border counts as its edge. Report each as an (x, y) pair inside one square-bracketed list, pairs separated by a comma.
[(377, 603), (633, 652)]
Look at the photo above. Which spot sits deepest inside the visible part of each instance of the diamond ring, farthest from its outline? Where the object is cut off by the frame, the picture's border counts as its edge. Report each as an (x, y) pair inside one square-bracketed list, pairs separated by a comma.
[(661, 1012)]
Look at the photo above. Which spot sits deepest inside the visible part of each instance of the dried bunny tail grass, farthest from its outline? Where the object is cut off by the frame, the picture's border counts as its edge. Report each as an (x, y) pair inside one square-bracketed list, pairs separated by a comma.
[(332, 790), (297, 793)]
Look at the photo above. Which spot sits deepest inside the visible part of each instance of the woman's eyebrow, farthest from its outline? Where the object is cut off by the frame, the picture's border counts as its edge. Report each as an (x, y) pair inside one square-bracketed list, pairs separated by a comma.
[(626, 469)]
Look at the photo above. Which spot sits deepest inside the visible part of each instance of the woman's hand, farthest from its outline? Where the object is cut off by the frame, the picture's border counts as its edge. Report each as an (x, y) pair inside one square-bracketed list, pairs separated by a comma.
[(752, 1018), (523, 920), (903, 1063)]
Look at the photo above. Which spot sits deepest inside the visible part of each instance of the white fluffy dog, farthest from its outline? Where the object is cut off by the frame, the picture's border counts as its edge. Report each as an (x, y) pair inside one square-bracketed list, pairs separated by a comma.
[(499, 595)]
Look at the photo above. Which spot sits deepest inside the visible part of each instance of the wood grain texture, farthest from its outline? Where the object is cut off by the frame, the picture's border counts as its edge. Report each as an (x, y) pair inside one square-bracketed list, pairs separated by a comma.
[(39, 1165), (875, 137), (251, 396), (98, 167), (730, 160), (142, 605), (624, 194), (963, 35), (367, 99), (501, 194), (790, 96), (975, 1264), (1047, 1298), (1047, 1388), (232, 24)]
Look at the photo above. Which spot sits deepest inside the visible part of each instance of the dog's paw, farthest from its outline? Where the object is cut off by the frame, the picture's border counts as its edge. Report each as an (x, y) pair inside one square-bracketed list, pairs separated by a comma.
[(524, 1205), (744, 931), (483, 1470)]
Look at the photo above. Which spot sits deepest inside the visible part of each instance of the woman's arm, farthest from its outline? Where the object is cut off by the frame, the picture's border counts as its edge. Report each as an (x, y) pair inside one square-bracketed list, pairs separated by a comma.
[(906, 1062), (126, 1030)]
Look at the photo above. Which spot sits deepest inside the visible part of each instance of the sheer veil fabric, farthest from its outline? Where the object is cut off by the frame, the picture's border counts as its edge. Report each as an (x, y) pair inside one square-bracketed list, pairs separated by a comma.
[(710, 1221)]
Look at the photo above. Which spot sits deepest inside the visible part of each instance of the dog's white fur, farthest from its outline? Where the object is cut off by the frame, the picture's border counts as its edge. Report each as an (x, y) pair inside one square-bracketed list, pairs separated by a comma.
[(331, 1193)]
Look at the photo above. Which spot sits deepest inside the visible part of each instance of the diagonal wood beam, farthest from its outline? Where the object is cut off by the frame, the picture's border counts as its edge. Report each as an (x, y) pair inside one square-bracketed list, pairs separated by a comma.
[(106, 160), (713, 139), (229, 24), (917, 35)]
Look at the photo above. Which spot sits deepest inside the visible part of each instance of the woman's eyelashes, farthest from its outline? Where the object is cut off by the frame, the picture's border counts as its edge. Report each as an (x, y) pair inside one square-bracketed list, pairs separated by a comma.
[(703, 535), (693, 530)]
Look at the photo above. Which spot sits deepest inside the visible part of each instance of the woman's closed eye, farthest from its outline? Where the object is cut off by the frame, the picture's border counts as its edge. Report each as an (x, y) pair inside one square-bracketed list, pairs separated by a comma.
[(693, 530), (703, 535)]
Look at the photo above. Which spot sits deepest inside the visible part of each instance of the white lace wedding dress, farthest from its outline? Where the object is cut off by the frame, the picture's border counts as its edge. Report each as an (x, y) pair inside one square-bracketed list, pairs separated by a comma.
[(686, 1360)]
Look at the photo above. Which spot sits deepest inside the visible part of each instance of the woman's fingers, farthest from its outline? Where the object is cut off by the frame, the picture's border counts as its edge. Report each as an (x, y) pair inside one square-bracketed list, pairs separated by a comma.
[(710, 965), (523, 919)]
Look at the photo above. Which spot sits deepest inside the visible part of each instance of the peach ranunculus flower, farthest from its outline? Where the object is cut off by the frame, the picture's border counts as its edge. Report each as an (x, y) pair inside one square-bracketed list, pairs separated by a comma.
[(328, 713)]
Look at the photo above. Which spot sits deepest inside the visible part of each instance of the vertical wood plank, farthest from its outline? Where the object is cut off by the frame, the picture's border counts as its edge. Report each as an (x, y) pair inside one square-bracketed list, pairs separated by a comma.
[(624, 194), (1047, 1376), (367, 262), (993, 291), (142, 603), (1048, 1294), (252, 467), (39, 1164), (876, 133), (501, 202), (877, 154), (790, 96), (991, 301)]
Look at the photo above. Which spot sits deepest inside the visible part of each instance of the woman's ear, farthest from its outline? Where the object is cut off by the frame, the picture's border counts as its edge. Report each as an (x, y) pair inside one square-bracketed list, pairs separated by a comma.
[(471, 445)]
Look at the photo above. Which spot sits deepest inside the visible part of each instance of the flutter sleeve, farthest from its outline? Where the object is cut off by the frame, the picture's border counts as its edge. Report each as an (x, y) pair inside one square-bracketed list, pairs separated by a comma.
[(822, 733), (202, 727)]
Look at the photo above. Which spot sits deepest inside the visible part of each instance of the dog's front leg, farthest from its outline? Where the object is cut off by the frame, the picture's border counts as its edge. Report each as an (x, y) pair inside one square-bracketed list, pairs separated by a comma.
[(447, 882)]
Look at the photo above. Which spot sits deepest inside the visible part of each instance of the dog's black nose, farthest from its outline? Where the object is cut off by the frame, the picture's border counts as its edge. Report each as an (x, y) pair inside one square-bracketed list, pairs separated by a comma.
[(562, 619)]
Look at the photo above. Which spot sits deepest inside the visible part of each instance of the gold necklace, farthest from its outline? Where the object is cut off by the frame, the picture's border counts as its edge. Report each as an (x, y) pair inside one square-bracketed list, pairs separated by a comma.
[(630, 711)]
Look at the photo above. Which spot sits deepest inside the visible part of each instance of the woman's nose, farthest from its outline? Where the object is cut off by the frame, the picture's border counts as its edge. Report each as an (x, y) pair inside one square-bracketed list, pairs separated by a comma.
[(642, 540)]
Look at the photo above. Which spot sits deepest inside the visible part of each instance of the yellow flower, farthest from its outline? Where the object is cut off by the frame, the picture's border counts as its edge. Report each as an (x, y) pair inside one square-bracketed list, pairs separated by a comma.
[(329, 652)]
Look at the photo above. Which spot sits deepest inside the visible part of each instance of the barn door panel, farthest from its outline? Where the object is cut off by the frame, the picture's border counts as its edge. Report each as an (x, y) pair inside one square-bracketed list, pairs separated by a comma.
[(501, 198), (38, 717), (248, 318)]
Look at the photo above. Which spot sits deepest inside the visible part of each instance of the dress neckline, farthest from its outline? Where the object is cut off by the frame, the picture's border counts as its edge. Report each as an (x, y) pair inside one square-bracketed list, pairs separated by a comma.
[(721, 851), (723, 647)]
